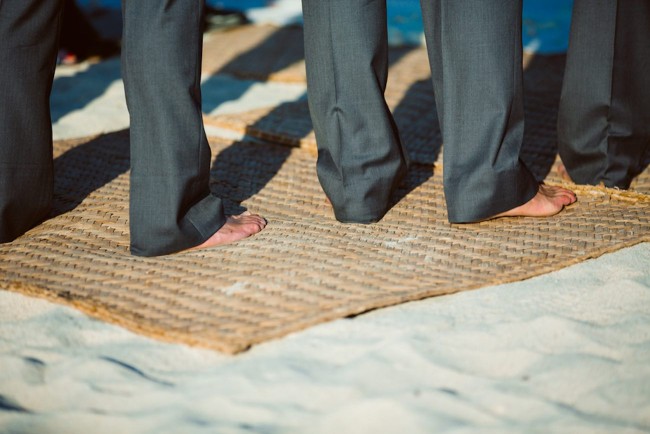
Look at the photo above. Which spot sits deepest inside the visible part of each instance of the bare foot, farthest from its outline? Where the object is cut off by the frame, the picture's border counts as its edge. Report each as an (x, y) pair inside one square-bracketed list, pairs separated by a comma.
[(548, 201), (237, 227)]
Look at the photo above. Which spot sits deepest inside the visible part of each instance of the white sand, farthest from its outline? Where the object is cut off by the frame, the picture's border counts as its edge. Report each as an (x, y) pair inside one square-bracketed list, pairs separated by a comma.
[(565, 352), (279, 12), (89, 99)]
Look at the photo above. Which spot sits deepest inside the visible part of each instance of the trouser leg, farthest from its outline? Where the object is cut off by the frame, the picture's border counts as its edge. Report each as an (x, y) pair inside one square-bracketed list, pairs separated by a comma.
[(360, 157), (28, 47), (604, 116), (476, 62), (171, 206)]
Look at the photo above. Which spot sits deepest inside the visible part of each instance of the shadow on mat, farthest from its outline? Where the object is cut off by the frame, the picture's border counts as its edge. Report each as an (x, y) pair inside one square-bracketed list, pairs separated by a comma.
[(256, 181), (236, 174), (421, 134), (422, 152), (87, 167), (240, 172)]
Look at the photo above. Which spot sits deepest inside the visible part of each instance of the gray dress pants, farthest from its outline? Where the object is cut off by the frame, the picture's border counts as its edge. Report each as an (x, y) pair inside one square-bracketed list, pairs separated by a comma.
[(604, 118), (171, 207), (475, 55)]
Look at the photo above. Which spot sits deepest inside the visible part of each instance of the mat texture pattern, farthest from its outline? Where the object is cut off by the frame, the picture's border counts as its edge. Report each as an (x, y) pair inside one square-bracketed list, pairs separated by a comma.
[(305, 268)]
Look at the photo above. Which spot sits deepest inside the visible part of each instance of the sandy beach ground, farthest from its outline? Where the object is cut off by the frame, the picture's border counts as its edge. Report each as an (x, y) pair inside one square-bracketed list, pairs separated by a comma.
[(567, 352)]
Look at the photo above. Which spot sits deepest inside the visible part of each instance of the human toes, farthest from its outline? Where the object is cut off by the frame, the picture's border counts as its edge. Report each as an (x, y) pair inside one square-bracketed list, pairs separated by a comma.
[(255, 222), (557, 192), (260, 222), (567, 195), (254, 218), (245, 217)]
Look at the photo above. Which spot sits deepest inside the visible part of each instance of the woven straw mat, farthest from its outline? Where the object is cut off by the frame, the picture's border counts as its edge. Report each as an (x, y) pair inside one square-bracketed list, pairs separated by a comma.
[(305, 268)]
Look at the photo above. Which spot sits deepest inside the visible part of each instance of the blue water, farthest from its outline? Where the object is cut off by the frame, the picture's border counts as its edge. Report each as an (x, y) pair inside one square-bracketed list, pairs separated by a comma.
[(546, 25), (545, 22)]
